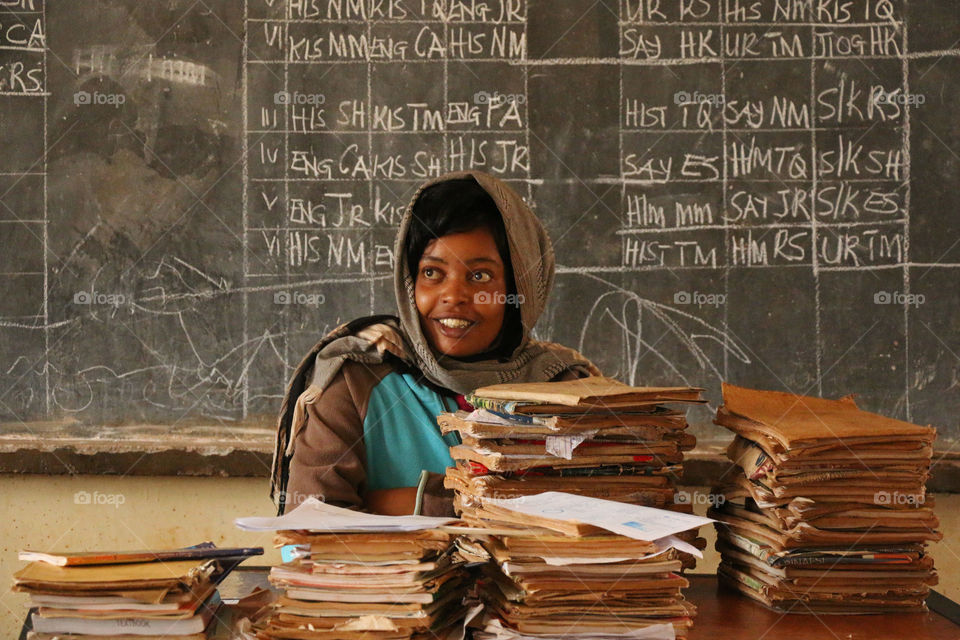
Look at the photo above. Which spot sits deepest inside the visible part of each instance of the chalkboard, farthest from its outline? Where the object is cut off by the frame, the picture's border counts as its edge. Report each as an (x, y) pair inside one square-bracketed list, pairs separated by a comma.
[(757, 191)]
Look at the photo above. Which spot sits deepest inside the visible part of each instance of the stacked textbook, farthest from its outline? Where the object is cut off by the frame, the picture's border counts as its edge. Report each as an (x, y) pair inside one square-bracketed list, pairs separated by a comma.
[(129, 594), (593, 437), (355, 575), (827, 512), (568, 566)]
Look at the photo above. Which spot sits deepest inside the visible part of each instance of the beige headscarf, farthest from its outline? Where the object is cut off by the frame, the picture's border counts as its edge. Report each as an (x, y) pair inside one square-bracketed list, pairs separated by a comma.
[(371, 339), (533, 270)]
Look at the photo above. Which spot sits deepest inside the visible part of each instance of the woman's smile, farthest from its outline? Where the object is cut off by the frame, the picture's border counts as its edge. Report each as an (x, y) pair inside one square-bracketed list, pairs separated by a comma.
[(454, 326)]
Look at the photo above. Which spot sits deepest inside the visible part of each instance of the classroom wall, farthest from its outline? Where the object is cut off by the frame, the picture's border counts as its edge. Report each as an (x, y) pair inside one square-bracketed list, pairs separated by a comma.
[(52, 513)]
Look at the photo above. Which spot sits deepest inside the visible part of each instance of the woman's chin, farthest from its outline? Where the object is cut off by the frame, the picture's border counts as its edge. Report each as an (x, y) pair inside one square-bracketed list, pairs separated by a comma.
[(454, 348), (458, 351)]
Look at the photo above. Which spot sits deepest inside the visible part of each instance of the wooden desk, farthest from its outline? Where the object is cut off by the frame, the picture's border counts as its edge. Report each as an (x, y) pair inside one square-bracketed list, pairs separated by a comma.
[(726, 615), (723, 614)]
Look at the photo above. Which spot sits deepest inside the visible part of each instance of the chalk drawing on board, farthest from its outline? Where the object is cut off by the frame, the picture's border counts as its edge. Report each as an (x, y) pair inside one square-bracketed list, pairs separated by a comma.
[(207, 385), (632, 320)]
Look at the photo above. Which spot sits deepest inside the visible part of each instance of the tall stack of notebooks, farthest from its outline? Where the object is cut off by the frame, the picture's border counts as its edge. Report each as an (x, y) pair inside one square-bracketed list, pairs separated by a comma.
[(593, 437), (826, 510), (122, 595), (563, 576), (355, 575), (529, 594)]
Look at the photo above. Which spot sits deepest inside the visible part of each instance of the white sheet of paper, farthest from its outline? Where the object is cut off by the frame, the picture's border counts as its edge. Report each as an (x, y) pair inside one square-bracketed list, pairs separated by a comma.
[(315, 515), (495, 629), (663, 544), (633, 521), (679, 545), (563, 446), (486, 417)]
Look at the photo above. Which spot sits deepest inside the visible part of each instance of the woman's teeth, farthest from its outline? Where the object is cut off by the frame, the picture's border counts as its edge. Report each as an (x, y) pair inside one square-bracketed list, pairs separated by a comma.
[(454, 323)]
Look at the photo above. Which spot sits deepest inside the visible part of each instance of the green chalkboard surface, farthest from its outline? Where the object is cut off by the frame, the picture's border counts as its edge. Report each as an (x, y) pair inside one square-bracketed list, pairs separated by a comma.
[(754, 191)]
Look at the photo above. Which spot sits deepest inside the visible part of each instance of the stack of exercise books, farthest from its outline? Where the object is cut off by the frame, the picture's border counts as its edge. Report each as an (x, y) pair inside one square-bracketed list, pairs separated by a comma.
[(355, 575), (126, 594), (826, 510), (593, 437), (567, 566)]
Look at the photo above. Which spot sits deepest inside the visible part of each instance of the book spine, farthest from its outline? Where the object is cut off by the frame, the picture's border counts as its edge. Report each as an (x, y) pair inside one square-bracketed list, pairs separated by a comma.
[(752, 582), (523, 418), (508, 407), (832, 559), (165, 556), (807, 560), (754, 548), (115, 626)]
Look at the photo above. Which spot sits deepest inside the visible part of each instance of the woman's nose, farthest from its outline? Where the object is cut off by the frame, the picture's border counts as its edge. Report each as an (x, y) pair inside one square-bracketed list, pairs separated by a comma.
[(455, 291)]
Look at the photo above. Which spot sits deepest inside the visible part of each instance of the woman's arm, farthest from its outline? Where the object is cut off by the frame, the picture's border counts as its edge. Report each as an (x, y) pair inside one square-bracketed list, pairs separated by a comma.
[(329, 458)]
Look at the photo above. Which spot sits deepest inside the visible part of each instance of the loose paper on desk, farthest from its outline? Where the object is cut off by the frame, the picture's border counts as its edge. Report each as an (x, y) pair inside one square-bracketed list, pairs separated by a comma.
[(315, 515), (663, 631), (633, 521)]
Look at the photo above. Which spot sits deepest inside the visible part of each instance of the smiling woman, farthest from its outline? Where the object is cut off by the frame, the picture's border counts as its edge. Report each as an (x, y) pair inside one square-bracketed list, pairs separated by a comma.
[(458, 253), (358, 423)]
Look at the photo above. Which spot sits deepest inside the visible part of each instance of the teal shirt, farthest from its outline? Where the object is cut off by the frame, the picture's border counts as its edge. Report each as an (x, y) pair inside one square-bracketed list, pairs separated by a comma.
[(401, 435)]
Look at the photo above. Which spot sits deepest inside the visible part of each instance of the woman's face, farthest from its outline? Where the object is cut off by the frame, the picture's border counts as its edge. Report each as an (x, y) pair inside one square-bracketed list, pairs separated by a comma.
[(460, 292)]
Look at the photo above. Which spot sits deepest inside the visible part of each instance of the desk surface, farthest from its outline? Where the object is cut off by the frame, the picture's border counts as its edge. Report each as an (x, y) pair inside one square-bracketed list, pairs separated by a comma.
[(726, 615), (723, 614)]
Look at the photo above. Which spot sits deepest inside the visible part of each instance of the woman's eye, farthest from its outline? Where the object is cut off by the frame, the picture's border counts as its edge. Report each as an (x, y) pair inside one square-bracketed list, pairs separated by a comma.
[(481, 276), (429, 272)]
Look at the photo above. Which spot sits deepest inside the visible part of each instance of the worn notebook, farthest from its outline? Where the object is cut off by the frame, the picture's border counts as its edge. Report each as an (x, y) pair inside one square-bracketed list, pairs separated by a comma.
[(656, 424), (592, 391), (357, 575), (584, 395), (117, 594), (78, 558), (604, 585)]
